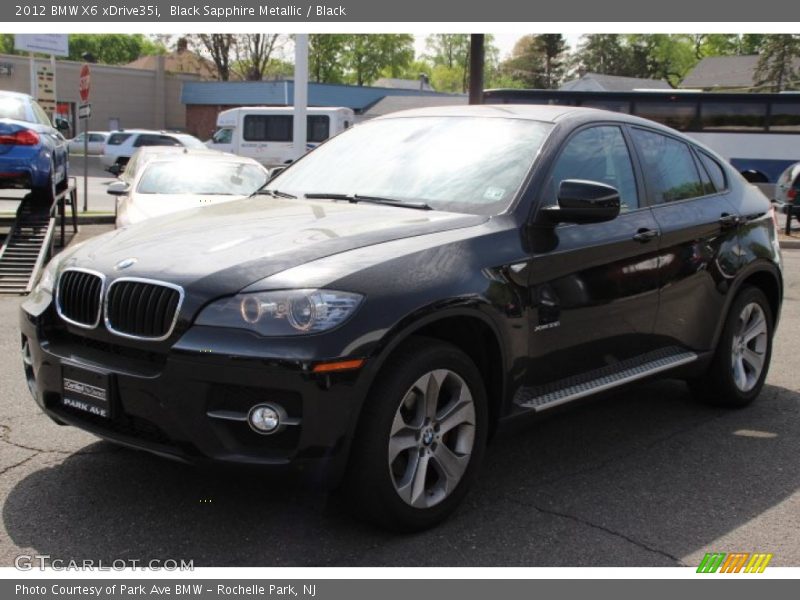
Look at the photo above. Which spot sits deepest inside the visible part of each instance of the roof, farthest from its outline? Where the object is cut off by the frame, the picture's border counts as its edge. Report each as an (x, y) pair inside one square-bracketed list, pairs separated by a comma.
[(182, 61), (598, 82), (403, 84), (281, 93), (724, 72), (548, 113), (391, 104)]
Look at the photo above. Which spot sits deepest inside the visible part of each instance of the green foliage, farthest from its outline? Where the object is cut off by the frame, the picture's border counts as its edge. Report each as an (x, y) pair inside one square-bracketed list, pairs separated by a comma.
[(537, 61), (107, 48), (325, 62), (776, 69), (112, 48), (365, 56)]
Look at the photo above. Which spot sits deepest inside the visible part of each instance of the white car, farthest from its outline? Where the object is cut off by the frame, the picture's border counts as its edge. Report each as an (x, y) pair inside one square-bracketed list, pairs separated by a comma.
[(166, 182), (121, 145), (97, 139)]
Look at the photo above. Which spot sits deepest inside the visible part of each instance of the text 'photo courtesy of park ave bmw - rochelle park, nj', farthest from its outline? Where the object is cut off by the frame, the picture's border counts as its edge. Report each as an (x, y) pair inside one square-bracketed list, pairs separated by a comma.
[(372, 298)]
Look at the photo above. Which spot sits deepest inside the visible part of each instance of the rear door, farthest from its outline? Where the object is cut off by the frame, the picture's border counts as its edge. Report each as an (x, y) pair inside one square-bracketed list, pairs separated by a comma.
[(699, 227), (594, 287)]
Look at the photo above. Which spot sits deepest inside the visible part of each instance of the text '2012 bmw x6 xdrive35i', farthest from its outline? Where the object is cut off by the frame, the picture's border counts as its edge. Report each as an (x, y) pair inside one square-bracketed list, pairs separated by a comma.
[(375, 312)]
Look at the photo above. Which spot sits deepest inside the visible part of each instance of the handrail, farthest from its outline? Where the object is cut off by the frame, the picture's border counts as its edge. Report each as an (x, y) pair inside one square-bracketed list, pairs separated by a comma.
[(43, 252)]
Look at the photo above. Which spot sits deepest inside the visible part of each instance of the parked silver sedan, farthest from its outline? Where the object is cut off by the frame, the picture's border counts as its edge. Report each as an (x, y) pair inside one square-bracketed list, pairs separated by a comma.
[(163, 182)]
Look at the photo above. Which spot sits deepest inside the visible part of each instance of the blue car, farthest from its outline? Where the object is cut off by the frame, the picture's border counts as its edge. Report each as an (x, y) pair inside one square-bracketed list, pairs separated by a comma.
[(33, 153)]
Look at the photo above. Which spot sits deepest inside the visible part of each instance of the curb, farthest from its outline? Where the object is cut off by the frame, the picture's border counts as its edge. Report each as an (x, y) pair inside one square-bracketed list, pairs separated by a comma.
[(789, 244), (94, 220)]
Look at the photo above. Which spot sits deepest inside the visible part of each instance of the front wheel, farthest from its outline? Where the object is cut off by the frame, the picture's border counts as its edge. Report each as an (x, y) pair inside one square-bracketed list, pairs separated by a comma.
[(741, 362), (421, 437)]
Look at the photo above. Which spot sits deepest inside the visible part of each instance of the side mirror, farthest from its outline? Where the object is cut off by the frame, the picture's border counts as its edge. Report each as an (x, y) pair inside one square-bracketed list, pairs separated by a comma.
[(118, 188), (274, 172), (581, 201)]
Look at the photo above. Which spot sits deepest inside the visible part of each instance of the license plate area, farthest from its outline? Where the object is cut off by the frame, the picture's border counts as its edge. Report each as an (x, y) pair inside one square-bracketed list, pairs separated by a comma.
[(86, 390)]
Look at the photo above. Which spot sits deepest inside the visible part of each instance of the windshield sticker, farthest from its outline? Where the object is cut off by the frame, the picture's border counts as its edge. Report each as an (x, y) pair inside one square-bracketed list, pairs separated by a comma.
[(494, 193)]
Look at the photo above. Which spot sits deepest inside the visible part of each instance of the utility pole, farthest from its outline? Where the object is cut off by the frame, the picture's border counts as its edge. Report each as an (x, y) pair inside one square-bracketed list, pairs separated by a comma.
[(300, 94), (476, 68)]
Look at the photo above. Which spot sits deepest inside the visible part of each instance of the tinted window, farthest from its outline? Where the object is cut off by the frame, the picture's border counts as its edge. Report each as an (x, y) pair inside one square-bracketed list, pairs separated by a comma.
[(785, 117), (621, 106), (280, 128), (95, 137), (598, 154), (668, 166), (678, 115), (318, 128), (268, 128), (148, 139), (115, 139), (714, 171), (733, 115)]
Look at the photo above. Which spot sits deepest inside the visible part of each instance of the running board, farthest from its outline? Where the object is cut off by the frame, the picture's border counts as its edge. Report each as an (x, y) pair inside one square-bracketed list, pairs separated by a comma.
[(559, 392)]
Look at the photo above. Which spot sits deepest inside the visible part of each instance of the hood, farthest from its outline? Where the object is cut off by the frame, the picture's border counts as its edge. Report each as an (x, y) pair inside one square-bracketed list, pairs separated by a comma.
[(147, 206), (220, 249)]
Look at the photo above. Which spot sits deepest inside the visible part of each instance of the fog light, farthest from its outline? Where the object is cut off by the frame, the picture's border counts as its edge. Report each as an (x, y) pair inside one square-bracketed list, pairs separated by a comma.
[(264, 418)]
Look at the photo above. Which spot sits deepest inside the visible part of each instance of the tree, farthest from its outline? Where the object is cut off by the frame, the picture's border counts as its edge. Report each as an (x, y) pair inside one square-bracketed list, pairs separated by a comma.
[(553, 46), (219, 46), (603, 53), (537, 61), (253, 52), (449, 54), (325, 57), (365, 56), (777, 63), (112, 48)]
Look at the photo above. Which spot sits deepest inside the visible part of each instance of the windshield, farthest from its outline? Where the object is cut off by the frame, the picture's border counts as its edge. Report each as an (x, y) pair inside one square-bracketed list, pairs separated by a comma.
[(461, 164), (201, 177)]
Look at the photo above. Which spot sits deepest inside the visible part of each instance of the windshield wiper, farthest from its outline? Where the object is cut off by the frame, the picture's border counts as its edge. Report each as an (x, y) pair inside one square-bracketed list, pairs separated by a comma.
[(356, 198), (274, 193)]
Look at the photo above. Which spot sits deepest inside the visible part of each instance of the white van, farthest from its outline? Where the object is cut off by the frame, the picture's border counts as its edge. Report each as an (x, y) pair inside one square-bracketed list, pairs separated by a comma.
[(264, 133)]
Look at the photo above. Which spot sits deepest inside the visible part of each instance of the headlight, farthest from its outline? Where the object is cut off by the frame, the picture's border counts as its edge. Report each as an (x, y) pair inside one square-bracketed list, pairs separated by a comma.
[(290, 312), (48, 279)]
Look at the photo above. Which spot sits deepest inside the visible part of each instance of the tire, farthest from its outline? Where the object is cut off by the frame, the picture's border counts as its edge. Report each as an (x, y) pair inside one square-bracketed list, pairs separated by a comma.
[(733, 379), (430, 438), (45, 196)]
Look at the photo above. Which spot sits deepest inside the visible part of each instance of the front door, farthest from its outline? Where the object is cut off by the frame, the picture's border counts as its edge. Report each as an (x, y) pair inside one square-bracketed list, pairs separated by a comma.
[(593, 287)]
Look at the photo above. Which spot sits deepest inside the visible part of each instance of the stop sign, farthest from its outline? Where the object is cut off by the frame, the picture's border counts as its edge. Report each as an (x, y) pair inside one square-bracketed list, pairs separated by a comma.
[(83, 86)]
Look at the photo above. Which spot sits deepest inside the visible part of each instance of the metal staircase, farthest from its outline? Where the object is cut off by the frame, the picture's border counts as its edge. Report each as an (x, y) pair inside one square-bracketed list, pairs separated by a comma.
[(27, 247)]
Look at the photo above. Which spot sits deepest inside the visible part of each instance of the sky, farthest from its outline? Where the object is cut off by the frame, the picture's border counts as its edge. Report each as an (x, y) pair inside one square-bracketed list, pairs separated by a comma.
[(504, 42)]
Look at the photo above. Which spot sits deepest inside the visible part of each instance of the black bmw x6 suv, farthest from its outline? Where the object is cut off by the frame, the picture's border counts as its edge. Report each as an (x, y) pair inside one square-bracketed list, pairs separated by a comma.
[(375, 312)]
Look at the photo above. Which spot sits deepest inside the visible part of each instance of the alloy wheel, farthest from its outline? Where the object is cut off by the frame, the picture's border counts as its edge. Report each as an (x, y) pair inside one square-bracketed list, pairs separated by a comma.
[(432, 438), (749, 348)]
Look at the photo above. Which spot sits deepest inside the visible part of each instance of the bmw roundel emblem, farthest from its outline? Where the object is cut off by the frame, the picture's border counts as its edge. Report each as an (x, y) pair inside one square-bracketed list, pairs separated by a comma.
[(125, 263)]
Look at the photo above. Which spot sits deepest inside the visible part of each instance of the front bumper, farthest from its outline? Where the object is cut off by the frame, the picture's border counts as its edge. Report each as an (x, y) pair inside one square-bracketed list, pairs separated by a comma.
[(169, 403)]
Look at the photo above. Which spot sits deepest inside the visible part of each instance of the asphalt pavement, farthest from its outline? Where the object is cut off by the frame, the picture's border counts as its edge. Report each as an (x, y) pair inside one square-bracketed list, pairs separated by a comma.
[(645, 477)]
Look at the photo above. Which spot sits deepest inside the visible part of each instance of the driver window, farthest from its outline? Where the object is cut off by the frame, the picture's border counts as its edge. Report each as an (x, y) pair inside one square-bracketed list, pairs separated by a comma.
[(598, 154)]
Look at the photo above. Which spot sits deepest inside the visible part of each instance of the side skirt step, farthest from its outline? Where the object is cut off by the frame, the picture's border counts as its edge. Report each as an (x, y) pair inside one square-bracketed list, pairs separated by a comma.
[(559, 392)]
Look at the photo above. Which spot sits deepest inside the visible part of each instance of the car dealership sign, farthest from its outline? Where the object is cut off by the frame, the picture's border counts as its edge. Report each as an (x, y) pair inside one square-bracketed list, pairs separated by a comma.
[(56, 44)]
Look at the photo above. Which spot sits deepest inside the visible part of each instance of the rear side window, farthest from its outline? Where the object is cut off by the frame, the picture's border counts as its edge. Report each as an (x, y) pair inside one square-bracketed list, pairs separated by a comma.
[(12, 108), (147, 139), (115, 139), (319, 128), (714, 171), (267, 128), (669, 168), (280, 128)]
